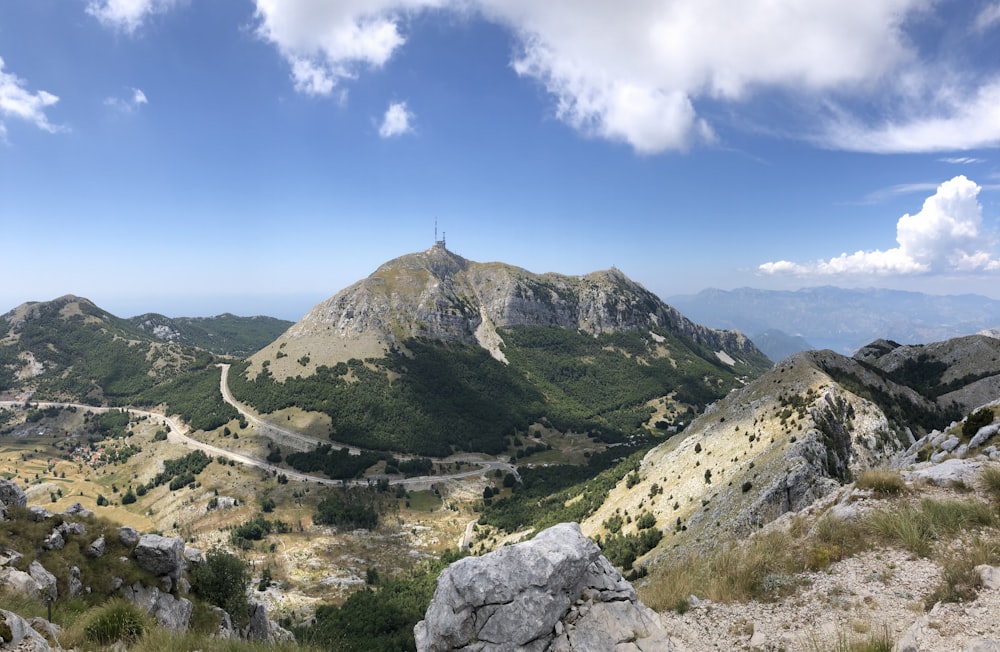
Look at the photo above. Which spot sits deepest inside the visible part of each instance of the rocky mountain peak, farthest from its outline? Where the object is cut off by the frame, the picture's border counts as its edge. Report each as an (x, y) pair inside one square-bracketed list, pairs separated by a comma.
[(439, 295)]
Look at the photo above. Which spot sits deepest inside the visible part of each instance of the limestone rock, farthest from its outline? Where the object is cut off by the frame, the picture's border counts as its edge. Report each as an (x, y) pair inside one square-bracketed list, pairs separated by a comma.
[(225, 629), (18, 634), (555, 592), (9, 557), (128, 536), (49, 631), (161, 556), (96, 548), (12, 495), (170, 612), (46, 581), (989, 576), (19, 582), (75, 584), (946, 472), (54, 541), (68, 528), (78, 510), (193, 555), (38, 514), (261, 628)]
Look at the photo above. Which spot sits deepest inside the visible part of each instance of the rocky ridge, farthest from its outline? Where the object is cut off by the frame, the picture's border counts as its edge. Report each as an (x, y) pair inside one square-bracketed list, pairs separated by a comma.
[(439, 295)]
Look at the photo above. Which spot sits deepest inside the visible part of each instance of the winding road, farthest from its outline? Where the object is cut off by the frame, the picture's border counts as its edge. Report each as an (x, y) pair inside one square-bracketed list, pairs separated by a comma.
[(177, 433)]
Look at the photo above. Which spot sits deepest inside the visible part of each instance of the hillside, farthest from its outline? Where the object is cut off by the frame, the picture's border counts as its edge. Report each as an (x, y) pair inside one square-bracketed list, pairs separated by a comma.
[(434, 353), (69, 349), (843, 319), (224, 334)]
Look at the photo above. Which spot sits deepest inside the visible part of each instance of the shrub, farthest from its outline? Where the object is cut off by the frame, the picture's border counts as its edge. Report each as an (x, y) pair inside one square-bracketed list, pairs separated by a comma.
[(119, 620), (976, 420), (223, 580)]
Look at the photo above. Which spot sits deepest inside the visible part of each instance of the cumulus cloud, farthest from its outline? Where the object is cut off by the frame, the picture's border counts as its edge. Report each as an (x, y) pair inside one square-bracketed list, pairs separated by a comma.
[(396, 121), (18, 102), (126, 15), (649, 73), (328, 42), (128, 104), (945, 235)]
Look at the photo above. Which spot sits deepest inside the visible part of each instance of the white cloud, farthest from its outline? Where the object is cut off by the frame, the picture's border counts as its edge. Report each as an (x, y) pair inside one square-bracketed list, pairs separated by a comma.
[(961, 160), (988, 17), (946, 235), (950, 119), (18, 102), (646, 72), (126, 15), (128, 104), (396, 121), (327, 42)]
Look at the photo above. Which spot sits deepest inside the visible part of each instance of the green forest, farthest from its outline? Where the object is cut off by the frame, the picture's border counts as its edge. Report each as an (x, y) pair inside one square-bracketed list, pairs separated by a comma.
[(446, 397)]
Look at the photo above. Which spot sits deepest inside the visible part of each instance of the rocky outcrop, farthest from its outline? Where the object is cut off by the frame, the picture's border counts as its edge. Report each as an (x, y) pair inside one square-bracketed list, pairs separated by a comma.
[(12, 495), (161, 556), (263, 629), (555, 592), (17, 634), (128, 536), (170, 612), (46, 581)]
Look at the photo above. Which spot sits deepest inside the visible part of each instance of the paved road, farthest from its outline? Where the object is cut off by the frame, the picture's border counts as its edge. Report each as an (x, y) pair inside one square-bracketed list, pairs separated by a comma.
[(177, 433)]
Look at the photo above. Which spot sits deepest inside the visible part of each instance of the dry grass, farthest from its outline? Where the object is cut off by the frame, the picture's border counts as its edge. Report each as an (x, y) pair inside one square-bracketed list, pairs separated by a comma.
[(765, 567), (883, 482), (991, 482), (761, 570)]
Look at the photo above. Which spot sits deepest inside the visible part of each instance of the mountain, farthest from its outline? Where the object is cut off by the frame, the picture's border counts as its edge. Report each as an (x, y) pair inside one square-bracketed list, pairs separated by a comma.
[(778, 345), (799, 432), (461, 355), (70, 349), (224, 334), (843, 320)]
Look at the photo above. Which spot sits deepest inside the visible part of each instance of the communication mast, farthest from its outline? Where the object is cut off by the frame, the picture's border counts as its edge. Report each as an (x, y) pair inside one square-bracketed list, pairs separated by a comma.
[(441, 242)]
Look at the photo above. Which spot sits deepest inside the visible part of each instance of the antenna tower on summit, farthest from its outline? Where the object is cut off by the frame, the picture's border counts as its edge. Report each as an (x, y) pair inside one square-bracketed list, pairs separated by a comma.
[(441, 242)]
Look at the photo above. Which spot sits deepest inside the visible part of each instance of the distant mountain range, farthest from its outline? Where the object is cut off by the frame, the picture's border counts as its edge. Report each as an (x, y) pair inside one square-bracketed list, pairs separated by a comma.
[(842, 320)]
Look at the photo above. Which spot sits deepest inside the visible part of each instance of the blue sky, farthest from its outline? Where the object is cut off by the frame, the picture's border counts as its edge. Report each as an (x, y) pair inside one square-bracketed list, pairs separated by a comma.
[(255, 157)]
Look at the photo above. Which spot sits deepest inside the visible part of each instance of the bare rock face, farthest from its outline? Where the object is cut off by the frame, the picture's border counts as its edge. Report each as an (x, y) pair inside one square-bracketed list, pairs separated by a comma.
[(17, 634), (555, 592), (46, 580), (161, 556), (439, 295), (128, 536), (170, 612), (12, 495)]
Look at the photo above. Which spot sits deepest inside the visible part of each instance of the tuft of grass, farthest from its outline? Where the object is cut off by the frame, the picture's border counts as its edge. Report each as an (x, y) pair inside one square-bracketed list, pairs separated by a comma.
[(834, 539), (959, 580), (916, 528), (760, 570), (883, 482), (880, 641), (990, 477), (118, 620)]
